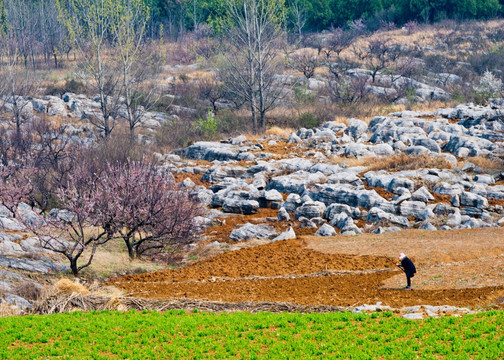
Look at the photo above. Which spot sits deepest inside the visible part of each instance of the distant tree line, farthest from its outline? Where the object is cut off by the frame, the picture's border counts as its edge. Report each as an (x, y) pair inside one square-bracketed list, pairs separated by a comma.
[(34, 26), (317, 15)]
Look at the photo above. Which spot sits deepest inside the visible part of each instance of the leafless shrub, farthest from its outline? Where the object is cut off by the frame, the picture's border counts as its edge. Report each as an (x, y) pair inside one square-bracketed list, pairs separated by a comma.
[(337, 41), (347, 90), (305, 63), (29, 290), (411, 27)]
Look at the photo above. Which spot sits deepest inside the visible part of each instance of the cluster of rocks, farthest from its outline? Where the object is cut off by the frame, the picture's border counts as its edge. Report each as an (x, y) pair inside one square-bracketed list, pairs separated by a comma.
[(310, 187), (417, 312), (81, 107), (390, 87), (22, 256)]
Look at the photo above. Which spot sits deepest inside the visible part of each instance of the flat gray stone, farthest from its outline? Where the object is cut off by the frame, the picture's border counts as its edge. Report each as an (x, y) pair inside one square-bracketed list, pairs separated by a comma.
[(43, 267), (413, 316), (251, 231)]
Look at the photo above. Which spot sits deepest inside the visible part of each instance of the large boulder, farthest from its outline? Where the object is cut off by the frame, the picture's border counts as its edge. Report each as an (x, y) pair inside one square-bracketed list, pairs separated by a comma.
[(388, 182), (240, 206), (286, 235), (251, 231), (210, 151), (412, 208), (473, 200), (335, 209), (376, 215), (10, 224), (345, 223), (283, 215), (43, 267), (325, 230), (472, 143), (346, 194), (296, 182), (9, 248), (310, 210), (292, 202), (356, 128)]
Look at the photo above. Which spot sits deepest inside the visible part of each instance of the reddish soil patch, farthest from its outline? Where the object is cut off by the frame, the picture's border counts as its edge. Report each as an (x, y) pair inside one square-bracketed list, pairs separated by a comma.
[(495, 202), (289, 271), (500, 182), (266, 216), (446, 199), (195, 178), (382, 192), (282, 149), (222, 231)]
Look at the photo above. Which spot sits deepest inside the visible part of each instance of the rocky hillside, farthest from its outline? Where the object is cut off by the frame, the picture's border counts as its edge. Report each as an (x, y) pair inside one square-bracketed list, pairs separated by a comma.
[(405, 170)]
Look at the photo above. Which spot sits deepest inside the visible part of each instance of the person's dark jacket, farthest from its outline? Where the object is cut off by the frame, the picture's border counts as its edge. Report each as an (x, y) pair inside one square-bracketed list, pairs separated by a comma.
[(408, 267)]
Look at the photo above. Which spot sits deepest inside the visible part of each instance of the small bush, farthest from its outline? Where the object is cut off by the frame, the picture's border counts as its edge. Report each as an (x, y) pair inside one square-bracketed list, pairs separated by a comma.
[(72, 86), (308, 120), (208, 125), (29, 291), (489, 86), (176, 134)]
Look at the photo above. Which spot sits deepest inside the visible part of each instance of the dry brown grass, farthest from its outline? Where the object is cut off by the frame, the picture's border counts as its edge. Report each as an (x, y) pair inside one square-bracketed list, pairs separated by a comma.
[(9, 310), (29, 291), (67, 287), (406, 162), (395, 162), (112, 259), (488, 165), (277, 131), (352, 161)]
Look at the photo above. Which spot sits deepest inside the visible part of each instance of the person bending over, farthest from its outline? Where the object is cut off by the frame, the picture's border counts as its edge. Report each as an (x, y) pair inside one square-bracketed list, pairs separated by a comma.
[(408, 268)]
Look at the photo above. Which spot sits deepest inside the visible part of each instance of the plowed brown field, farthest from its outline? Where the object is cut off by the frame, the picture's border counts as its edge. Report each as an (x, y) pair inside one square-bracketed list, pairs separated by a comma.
[(304, 272)]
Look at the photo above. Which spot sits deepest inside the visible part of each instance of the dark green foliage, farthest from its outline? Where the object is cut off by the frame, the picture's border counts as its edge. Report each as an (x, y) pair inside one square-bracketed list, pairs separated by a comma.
[(323, 14)]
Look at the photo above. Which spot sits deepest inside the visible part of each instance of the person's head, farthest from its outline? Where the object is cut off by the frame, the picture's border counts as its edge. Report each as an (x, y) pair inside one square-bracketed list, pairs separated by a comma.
[(401, 256)]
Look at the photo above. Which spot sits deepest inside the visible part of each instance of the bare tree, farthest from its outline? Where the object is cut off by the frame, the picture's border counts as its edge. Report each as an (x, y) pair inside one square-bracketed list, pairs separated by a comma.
[(347, 90), (211, 90), (307, 64), (315, 41), (53, 159), (299, 16), (378, 55), (16, 86), (137, 63), (339, 67), (89, 24), (249, 64), (15, 186), (337, 41)]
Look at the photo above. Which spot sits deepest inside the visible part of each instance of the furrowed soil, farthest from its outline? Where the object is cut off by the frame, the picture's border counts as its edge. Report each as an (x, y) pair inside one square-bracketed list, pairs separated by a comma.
[(460, 268)]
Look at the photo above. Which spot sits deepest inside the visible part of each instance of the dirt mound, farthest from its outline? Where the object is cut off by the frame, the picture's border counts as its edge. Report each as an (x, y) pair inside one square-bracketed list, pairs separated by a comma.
[(289, 257), (287, 271)]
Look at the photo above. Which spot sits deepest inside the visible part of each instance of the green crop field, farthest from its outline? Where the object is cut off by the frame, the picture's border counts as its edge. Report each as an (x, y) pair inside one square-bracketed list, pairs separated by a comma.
[(197, 335)]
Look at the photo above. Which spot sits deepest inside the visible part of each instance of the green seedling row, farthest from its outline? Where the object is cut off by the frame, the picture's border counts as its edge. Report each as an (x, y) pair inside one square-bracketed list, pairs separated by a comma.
[(198, 335)]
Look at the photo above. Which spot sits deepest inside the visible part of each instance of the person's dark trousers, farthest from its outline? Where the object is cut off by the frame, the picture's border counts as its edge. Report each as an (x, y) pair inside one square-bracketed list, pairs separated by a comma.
[(408, 279)]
